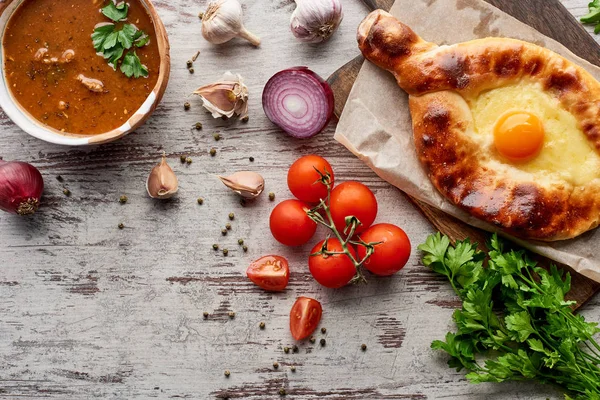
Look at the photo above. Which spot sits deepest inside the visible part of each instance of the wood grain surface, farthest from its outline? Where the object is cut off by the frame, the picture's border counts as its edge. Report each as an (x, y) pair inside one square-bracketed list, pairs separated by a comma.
[(536, 13), (91, 311)]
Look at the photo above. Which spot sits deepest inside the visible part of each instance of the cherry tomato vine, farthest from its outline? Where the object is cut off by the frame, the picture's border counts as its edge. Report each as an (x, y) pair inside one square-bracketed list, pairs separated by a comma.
[(321, 214)]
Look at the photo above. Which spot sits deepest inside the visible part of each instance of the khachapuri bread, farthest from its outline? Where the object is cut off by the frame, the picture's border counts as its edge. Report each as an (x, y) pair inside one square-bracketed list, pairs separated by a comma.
[(507, 130)]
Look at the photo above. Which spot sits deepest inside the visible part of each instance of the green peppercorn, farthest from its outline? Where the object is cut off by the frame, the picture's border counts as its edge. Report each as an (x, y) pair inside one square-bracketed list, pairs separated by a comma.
[(123, 199), (228, 226), (245, 119), (188, 160), (286, 350), (227, 373), (231, 314), (198, 126), (213, 152), (215, 246), (295, 349), (205, 314), (191, 70), (225, 252), (186, 105), (271, 196), (251, 159), (293, 368), (217, 137), (223, 231), (363, 347), (312, 339), (261, 325), (189, 63), (200, 200), (231, 216), (66, 192), (323, 342), (245, 248), (121, 225), (182, 159), (323, 330), (240, 241), (276, 365), (201, 15), (282, 392)]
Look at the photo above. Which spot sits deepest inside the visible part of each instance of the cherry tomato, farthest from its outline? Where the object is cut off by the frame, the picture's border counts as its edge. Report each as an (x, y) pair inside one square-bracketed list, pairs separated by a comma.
[(391, 255), (304, 181), (332, 271), (304, 317), (270, 273), (353, 199), (289, 223)]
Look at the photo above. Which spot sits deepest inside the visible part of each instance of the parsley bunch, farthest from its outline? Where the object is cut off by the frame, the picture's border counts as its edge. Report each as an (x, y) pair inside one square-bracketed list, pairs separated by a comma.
[(514, 323), (112, 42), (593, 16)]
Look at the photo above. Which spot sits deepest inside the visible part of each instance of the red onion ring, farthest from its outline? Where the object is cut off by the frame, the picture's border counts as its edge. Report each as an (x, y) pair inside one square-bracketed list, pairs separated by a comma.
[(298, 101)]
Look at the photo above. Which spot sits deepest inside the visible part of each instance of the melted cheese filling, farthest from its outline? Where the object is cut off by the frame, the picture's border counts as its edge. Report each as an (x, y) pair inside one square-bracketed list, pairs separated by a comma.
[(566, 153)]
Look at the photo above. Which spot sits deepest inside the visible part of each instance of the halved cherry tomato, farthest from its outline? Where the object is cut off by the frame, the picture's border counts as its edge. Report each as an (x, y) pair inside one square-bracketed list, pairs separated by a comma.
[(289, 223), (353, 199), (270, 273), (391, 255), (305, 317), (332, 271), (304, 181)]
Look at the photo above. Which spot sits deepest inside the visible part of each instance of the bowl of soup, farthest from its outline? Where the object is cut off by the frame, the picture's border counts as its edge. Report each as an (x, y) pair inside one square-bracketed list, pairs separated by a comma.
[(81, 72)]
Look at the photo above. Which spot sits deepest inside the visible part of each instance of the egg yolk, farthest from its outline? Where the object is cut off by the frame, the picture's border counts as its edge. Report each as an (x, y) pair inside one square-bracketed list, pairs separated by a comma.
[(518, 135)]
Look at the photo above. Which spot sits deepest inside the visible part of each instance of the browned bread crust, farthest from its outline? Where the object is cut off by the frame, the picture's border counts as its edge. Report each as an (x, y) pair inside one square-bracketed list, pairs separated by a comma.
[(441, 81)]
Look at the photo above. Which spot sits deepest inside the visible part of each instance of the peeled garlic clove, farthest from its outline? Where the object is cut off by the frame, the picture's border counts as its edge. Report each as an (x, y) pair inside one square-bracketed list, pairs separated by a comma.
[(247, 184), (314, 21), (222, 21), (162, 182), (227, 97)]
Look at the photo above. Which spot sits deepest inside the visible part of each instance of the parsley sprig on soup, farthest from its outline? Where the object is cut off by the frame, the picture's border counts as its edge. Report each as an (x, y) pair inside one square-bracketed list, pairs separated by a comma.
[(81, 68)]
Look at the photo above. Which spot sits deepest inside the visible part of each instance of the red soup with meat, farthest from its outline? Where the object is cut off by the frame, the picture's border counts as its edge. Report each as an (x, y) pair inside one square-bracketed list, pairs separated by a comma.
[(81, 67)]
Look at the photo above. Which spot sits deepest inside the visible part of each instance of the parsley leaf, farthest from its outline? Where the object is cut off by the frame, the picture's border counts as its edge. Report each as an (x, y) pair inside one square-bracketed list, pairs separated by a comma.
[(132, 66), (127, 35), (112, 43), (514, 323), (593, 16), (116, 12), (100, 34), (520, 324)]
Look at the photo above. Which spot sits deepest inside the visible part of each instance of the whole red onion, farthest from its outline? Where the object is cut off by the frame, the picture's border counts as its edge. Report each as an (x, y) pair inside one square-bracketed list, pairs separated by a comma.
[(21, 186)]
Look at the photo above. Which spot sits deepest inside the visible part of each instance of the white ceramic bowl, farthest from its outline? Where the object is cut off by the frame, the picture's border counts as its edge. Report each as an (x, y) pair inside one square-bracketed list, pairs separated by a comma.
[(33, 127)]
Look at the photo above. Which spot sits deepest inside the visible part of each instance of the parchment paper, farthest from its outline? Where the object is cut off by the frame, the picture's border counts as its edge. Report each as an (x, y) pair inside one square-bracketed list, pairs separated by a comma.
[(376, 124)]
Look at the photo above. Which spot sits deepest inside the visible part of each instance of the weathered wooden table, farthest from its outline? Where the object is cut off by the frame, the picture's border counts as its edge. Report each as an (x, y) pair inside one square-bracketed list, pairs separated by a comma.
[(88, 310)]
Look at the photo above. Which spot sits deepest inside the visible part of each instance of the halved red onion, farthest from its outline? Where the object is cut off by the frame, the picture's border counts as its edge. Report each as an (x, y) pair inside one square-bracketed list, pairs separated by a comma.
[(298, 101)]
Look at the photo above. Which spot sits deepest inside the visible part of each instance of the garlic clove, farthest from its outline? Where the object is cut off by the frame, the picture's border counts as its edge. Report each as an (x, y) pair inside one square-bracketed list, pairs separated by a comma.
[(227, 97), (247, 184), (222, 21), (314, 21), (162, 182)]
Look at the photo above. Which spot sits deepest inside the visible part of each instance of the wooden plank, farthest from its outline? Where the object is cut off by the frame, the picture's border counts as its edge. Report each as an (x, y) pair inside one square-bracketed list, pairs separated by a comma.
[(552, 19), (91, 311)]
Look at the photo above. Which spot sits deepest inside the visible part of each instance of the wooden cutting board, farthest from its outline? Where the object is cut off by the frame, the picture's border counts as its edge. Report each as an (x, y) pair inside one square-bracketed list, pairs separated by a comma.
[(552, 19)]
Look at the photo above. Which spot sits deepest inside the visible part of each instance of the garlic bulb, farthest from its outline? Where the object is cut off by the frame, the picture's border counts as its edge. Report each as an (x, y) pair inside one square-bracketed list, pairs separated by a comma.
[(162, 182), (247, 184), (225, 98), (314, 21), (222, 21)]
